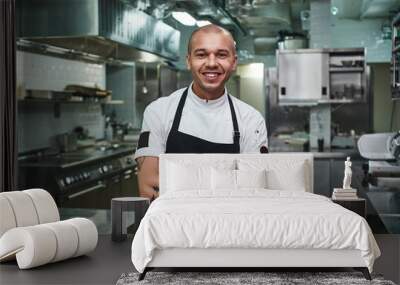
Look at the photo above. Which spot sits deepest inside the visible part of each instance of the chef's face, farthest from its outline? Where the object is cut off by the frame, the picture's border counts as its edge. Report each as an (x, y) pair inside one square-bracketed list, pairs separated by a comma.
[(211, 59)]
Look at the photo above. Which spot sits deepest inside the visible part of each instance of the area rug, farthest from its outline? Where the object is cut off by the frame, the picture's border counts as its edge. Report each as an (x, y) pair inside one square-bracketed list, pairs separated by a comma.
[(243, 278)]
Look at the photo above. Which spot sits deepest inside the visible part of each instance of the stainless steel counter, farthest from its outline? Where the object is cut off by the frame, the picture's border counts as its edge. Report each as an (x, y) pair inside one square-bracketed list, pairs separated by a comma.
[(79, 157), (277, 145), (337, 153), (326, 154)]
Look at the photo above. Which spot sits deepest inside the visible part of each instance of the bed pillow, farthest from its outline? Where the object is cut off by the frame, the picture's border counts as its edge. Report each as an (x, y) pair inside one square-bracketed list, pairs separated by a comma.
[(251, 178), (281, 174), (181, 177), (189, 175), (291, 181), (173, 177), (235, 179), (223, 179)]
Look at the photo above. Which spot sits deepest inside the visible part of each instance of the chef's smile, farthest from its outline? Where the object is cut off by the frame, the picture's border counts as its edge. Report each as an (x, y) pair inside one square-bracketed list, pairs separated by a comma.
[(211, 76), (211, 59)]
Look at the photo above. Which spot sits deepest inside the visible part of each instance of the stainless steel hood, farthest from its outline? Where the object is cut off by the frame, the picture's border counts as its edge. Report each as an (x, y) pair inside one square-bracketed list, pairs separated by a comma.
[(107, 28)]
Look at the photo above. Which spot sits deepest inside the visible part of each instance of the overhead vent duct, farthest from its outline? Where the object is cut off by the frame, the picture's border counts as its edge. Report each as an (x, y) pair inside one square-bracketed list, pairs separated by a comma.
[(107, 28), (359, 9), (379, 9), (345, 9)]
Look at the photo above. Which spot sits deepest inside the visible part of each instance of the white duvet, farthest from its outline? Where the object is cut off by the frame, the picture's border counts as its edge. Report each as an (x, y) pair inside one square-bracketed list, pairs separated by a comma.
[(253, 218)]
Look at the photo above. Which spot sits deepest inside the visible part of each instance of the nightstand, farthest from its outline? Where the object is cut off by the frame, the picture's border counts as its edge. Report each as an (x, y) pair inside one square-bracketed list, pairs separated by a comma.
[(357, 205), (127, 212)]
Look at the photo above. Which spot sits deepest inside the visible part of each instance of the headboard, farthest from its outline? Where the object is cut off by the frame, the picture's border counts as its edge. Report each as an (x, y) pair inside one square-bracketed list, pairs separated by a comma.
[(286, 161)]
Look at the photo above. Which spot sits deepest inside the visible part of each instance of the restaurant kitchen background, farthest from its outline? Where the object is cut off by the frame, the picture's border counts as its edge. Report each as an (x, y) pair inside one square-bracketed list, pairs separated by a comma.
[(319, 71)]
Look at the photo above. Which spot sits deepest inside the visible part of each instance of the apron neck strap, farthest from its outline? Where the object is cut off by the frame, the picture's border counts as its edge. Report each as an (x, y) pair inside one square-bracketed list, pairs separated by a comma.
[(178, 114), (236, 133)]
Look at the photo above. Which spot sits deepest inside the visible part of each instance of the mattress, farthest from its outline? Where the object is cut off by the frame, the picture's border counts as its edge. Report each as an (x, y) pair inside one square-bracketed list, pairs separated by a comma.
[(250, 219)]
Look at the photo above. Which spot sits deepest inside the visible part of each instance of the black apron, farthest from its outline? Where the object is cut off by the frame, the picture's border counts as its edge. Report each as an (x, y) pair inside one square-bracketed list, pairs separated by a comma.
[(178, 142)]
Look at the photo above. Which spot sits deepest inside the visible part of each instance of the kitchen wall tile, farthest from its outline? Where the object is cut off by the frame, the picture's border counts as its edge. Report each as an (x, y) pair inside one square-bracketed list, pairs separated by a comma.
[(37, 124), (44, 72)]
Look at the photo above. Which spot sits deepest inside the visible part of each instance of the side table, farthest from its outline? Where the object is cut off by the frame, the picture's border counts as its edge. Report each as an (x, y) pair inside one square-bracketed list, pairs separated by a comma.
[(357, 205), (122, 211)]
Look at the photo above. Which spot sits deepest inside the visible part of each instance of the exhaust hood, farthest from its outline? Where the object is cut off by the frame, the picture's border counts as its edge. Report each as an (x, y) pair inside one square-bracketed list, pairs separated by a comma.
[(107, 28)]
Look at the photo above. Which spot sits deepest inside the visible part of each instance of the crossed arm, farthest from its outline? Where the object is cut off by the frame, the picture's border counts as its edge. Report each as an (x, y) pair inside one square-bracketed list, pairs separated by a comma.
[(147, 171)]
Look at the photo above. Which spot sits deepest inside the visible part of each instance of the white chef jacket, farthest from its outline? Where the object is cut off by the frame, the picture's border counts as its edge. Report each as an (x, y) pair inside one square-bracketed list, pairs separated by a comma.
[(208, 120)]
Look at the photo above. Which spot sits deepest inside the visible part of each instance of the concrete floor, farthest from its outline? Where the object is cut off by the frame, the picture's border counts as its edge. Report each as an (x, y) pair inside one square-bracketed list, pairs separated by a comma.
[(110, 259), (102, 266)]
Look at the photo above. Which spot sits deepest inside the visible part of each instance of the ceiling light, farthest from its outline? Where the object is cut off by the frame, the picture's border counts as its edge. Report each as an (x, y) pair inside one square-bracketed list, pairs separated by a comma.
[(184, 18), (202, 23), (334, 10)]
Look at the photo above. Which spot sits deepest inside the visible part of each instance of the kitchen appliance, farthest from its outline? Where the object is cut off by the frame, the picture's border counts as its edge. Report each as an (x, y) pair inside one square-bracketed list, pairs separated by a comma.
[(82, 179), (292, 42), (383, 152), (67, 142), (382, 180)]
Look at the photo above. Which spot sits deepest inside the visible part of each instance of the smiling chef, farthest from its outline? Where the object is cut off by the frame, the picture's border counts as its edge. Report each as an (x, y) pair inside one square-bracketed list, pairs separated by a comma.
[(202, 118)]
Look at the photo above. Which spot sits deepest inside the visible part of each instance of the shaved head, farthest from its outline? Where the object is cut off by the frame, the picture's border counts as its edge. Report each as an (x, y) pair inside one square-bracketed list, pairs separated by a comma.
[(211, 59), (212, 29)]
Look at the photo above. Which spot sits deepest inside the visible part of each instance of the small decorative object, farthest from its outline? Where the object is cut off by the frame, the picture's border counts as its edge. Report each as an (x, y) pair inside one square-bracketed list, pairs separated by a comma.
[(347, 174), (345, 193)]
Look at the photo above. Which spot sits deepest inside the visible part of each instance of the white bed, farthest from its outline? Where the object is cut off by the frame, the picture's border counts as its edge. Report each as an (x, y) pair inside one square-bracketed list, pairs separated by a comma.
[(203, 219)]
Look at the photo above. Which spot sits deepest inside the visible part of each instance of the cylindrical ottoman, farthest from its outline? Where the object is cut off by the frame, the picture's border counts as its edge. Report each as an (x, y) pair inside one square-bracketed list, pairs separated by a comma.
[(122, 211)]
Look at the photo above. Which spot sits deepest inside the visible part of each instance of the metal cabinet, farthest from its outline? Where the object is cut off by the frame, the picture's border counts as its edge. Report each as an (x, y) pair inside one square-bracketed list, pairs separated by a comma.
[(303, 76), (315, 76)]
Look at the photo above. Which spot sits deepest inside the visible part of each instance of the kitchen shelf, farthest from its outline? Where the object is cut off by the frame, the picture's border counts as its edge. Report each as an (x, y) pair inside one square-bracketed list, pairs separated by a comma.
[(345, 69), (114, 102), (340, 101), (57, 103), (52, 101)]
